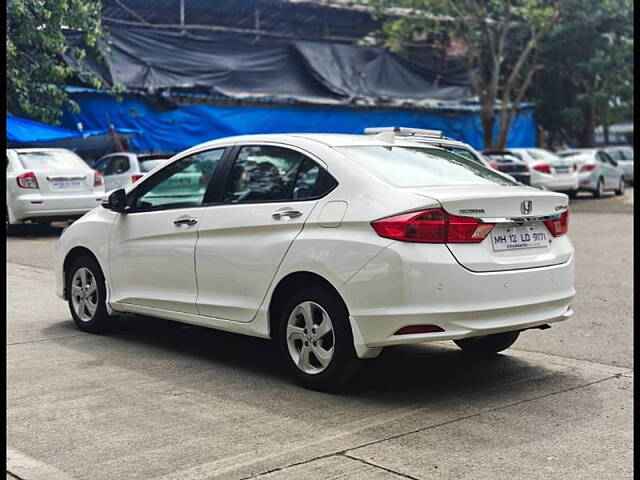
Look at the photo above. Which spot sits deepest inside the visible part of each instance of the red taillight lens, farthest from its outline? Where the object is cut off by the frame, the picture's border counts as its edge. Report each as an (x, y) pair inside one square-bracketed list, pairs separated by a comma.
[(97, 179), (413, 329), (543, 168), (587, 168), (493, 164), (560, 226), (135, 178), (432, 226), (27, 180)]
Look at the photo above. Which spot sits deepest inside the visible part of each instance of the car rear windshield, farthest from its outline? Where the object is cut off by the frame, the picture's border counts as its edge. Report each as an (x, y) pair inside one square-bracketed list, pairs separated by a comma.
[(50, 160), (146, 165), (421, 167)]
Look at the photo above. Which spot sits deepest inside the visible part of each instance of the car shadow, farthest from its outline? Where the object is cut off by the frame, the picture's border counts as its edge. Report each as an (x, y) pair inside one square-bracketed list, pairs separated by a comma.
[(400, 376)]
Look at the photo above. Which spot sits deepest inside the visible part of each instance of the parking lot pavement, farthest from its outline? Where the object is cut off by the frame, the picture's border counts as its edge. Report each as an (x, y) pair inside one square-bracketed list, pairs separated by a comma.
[(159, 400)]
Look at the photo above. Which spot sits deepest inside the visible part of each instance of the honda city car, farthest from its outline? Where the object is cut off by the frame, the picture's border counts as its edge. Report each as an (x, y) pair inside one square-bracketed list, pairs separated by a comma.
[(333, 246)]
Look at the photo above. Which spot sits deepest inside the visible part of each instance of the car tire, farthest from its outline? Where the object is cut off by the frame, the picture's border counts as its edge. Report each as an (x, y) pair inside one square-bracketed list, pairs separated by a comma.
[(599, 191), (621, 187), (488, 344), (86, 295), (319, 358)]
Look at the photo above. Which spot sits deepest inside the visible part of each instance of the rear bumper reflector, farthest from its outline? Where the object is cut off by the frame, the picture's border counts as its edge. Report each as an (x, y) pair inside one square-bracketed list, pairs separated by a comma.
[(413, 329)]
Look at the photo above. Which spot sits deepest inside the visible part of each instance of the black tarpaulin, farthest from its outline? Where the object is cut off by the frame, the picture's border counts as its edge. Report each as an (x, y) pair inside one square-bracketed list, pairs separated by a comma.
[(149, 60)]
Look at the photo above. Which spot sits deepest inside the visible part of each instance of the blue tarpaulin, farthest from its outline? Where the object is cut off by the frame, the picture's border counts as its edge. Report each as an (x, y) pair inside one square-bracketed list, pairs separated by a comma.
[(173, 130), (29, 132)]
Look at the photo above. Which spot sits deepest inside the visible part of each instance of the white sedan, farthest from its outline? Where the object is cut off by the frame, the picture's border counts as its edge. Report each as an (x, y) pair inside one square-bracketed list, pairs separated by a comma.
[(548, 171), (49, 184), (333, 246)]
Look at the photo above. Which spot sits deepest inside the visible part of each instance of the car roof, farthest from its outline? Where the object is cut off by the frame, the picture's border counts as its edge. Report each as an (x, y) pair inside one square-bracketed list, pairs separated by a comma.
[(328, 139), (29, 150)]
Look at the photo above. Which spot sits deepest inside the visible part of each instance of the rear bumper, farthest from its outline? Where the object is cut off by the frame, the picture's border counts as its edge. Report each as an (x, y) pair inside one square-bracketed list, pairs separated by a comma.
[(34, 206), (392, 292)]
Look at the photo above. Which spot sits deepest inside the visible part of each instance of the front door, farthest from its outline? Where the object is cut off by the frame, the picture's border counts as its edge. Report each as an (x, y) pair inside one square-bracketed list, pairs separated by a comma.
[(152, 245), (270, 192)]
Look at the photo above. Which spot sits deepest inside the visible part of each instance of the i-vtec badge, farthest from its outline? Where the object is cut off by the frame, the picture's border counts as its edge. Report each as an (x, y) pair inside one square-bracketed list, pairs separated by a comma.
[(526, 207), (560, 207)]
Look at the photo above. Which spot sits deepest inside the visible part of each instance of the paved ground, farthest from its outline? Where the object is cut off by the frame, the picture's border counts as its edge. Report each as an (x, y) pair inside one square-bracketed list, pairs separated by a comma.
[(159, 400)]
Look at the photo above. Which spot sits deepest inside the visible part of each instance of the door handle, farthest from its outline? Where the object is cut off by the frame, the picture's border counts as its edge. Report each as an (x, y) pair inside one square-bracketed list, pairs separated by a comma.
[(286, 213), (185, 221)]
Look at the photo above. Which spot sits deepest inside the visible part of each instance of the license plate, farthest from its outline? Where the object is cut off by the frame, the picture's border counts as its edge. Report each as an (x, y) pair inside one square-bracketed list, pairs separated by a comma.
[(67, 185), (563, 169), (513, 238)]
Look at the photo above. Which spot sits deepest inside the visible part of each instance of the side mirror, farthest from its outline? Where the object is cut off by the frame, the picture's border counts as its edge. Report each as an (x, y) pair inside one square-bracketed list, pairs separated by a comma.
[(117, 201)]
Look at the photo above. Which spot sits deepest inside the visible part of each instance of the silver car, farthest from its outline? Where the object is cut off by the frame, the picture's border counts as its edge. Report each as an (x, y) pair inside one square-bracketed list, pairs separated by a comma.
[(597, 170), (624, 156)]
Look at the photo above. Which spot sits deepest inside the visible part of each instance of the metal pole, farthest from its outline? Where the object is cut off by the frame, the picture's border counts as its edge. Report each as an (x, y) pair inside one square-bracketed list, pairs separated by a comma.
[(182, 14)]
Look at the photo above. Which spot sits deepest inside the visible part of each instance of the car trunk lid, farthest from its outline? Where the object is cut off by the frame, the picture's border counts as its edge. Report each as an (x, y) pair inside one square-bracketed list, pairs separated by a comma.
[(515, 211)]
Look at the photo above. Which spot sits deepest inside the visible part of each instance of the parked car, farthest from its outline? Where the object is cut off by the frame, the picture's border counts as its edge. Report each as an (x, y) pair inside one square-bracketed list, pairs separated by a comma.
[(334, 246), (49, 184), (597, 170), (123, 168), (548, 171), (624, 156), (516, 171), (510, 164)]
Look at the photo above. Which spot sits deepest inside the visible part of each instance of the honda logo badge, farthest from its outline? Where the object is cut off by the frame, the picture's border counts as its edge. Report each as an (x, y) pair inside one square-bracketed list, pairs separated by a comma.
[(526, 207)]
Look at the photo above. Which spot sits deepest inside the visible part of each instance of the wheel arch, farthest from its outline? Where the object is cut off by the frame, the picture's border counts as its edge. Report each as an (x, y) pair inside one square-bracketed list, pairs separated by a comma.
[(294, 281), (70, 257)]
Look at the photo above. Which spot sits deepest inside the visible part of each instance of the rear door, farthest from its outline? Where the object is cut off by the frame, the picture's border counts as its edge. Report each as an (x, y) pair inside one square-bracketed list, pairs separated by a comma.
[(609, 170), (245, 234)]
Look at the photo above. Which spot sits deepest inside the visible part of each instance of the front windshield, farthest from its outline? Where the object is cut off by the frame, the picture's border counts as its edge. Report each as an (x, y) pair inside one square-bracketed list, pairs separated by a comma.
[(421, 167)]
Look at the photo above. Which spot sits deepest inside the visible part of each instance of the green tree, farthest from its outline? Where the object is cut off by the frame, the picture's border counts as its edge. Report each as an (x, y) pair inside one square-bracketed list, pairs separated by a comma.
[(36, 43), (587, 74), (498, 41)]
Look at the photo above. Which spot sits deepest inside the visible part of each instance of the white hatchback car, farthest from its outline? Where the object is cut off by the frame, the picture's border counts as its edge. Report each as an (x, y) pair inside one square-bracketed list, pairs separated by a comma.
[(334, 246), (121, 169), (49, 184)]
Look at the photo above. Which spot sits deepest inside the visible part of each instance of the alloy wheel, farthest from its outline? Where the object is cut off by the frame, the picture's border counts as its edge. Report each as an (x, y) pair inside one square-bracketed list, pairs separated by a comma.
[(310, 337), (84, 294)]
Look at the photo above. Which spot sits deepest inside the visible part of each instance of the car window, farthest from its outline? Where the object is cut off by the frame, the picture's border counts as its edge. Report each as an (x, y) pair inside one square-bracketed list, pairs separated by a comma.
[(264, 173), (180, 184), (50, 160), (421, 167), (463, 152), (116, 165), (603, 158), (147, 165)]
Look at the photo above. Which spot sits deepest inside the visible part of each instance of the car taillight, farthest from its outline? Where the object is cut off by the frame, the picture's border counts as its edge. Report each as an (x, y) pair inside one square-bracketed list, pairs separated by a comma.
[(587, 168), (543, 168), (432, 226), (560, 226), (575, 167), (136, 177), (27, 180), (493, 164), (97, 179)]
